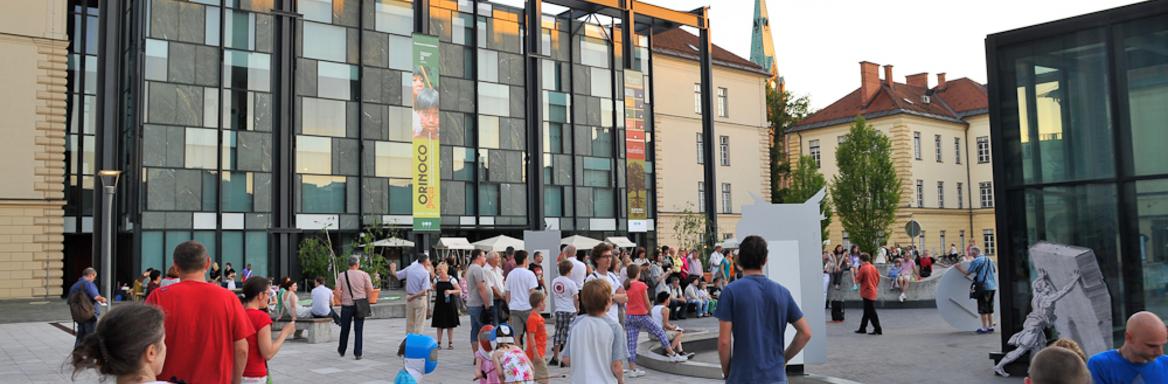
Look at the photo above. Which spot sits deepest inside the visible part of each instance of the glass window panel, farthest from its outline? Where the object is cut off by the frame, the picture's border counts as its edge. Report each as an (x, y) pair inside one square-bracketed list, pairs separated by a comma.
[(494, 99), (207, 238), (317, 10), (400, 124), (323, 117), (400, 191), (597, 172), (463, 163), (153, 252), (313, 155), (488, 199), (156, 59), (1147, 93), (247, 70), (238, 189), (211, 30), (211, 107), (1059, 117), (1152, 221), (229, 150), (173, 239), (325, 42), (601, 80), (488, 65), (603, 202), (553, 137), (393, 159), (556, 106), (593, 52), (233, 251), (488, 132), (553, 203), (462, 30), (201, 149), (240, 30), (257, 252), (394, 17), (90, 75), (336, 80), (399, 53), (601, 142), (322, 194)]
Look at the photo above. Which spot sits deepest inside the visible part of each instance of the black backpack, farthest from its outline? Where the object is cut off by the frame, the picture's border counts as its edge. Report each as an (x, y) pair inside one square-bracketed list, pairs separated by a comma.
[(80, 306)]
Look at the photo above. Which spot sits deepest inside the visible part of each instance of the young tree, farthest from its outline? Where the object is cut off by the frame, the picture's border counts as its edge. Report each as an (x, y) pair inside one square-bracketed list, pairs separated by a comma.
[(866, 192), (783, 111), (806, 181)]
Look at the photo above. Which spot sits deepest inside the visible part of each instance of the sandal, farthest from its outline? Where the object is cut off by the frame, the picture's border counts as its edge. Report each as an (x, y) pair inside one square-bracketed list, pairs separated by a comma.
[(449, 346)]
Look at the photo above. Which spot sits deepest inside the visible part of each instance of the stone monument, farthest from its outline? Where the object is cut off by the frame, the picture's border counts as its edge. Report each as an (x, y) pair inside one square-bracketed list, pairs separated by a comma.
[(1084, 314)]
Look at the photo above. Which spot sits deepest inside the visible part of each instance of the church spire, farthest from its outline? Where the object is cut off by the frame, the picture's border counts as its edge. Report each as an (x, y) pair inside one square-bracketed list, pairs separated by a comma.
[(762, 47)]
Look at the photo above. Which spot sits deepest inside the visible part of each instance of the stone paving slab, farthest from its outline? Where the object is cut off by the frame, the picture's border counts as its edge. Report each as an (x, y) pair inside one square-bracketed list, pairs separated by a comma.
[(917, 346)]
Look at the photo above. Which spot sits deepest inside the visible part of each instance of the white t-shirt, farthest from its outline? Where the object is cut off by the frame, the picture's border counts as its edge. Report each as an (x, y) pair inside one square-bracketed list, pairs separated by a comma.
[(614, 281), (493, 276), (322, 298), (655, 314), (579, 270), (564, 290), (716, 260), (593, 344), (519, 282)]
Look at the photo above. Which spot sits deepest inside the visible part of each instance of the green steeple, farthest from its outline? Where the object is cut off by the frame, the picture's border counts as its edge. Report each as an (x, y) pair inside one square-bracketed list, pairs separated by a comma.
[(762, 47)]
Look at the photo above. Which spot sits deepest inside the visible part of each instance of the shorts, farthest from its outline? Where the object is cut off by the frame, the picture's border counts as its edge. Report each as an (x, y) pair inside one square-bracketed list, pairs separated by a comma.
[(539, 369), (254, 380), (985, 303), (563, 321), (672, 335)]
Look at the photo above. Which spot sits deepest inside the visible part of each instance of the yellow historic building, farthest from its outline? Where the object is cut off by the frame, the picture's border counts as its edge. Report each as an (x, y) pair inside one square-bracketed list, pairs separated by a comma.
[(33, 55), (940, 148), (740, 128)]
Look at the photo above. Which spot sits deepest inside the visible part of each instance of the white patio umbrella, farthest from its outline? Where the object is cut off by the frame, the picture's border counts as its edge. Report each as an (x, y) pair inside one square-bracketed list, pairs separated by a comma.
[(580, 242), (498, 243), (393, 242), (454, 243), (730, 243), (621, 242)]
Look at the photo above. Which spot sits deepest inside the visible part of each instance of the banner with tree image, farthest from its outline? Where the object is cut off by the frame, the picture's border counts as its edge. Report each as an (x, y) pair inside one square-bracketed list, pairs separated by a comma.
[(636, 177), (424, 88)]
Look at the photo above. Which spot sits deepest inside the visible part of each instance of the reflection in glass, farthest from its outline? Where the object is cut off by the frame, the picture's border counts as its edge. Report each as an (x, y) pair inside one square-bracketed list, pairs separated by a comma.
[(324, 42), (156, 59), (322, 194), (488, 132), (240, 30), (323, 117), (316, 10), (463, 162), (247, 70), (488, 199), (336, 80), (399, 197), (1152, 221), (1147, 93), (237, 188), (392, 159), (201, 150), (494, 99), (313, 154), (394, 17), (603, 203)]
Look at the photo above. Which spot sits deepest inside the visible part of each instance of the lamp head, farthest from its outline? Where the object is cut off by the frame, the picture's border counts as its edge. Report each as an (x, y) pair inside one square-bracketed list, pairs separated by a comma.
[(109, 177)]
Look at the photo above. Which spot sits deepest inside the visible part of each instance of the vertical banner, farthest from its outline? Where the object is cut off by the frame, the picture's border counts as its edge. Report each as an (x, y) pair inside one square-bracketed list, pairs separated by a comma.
[(636, 178), (426, 196)]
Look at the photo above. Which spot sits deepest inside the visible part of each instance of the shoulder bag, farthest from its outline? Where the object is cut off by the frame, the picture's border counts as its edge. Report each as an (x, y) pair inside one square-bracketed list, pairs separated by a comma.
[(361, 307)]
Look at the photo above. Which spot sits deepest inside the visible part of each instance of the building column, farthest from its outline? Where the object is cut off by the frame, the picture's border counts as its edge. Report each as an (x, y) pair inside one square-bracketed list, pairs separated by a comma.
[(707, 99)]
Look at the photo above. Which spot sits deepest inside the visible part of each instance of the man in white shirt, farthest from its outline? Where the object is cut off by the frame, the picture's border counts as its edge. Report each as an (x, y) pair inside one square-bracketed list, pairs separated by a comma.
[(695, 264), (520, 283), (602, 256), (493, 275), (579, 270), (322, 298), (716, 259)]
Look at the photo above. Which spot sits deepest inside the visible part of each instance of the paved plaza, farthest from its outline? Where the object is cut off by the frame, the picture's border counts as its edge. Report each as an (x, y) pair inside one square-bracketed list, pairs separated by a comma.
[(917, 346)]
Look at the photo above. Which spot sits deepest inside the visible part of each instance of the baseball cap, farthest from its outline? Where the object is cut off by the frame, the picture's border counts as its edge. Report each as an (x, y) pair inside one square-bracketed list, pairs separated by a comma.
[(504, 334)]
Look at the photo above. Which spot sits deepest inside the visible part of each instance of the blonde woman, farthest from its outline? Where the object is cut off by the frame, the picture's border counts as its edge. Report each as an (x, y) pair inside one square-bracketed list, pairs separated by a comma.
[(446, 290)]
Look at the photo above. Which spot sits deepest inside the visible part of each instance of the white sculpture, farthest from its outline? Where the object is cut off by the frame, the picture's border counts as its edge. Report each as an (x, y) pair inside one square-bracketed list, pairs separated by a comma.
[(1031, 338)]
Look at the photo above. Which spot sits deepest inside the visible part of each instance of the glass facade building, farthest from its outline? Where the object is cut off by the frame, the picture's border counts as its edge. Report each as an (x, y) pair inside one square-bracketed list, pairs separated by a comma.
[(247, 124), (1078, 116)]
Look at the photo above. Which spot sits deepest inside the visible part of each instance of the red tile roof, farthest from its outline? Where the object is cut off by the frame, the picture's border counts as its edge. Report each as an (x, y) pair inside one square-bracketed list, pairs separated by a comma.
[(958, 99), (680, 43)]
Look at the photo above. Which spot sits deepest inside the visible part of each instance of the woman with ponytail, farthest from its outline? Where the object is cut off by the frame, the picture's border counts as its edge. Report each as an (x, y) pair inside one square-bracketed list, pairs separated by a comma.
[(260, 346), (128, 344)]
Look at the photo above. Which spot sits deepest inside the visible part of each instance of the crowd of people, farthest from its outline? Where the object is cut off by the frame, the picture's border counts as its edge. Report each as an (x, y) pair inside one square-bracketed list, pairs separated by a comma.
[(195, 331)]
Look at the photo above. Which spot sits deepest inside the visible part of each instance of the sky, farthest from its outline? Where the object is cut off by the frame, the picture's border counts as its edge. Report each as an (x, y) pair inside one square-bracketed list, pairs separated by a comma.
[(819, 44)]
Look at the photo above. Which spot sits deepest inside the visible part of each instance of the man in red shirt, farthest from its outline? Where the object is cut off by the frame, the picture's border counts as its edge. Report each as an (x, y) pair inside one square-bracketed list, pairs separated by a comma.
[(868, 278), (206, 326)]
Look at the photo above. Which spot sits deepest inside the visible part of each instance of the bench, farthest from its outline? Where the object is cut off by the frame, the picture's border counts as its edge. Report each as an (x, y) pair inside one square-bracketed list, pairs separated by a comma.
[(313, 330)]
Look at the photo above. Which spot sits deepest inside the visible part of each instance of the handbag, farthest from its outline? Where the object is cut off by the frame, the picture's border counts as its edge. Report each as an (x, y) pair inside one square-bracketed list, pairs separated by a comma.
[(361, 307), (977, 288)]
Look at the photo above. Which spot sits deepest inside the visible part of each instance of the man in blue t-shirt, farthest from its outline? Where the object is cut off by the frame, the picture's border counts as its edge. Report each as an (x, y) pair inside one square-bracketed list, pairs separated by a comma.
[(985, 274), (754, 311), (1141, 358), (85, 285)]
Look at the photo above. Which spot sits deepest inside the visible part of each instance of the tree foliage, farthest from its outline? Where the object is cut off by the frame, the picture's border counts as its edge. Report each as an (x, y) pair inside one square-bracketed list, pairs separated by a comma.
[(806, 181), (866, 191), (783, 112), (691, 232)]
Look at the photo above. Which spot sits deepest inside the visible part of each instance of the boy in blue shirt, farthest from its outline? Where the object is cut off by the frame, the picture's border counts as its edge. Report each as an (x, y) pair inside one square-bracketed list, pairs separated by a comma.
[(753, 314), (1141, 358)]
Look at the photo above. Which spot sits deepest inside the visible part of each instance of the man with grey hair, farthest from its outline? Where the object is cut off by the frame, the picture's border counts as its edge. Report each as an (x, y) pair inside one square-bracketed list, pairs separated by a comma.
[(85, 286), (417, 277), (493, 276), (352, 284), (1057, 365)]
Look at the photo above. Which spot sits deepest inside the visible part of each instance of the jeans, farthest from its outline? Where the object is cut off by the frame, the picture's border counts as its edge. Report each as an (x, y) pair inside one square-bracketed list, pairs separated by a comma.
[(476, 314), (498, 308), (699, 306), (85, 329), (870, 314), (347, 317), (677, 310), (332, 314)]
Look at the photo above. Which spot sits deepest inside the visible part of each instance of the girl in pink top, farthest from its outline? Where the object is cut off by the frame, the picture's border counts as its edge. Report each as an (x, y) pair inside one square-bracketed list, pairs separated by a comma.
[(485, 371), (638, 319)]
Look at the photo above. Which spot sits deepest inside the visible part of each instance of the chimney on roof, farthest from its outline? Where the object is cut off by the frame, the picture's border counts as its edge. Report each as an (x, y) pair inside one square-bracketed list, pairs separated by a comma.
[(869, 80), (888, 75), (941, 80), (920, 80)]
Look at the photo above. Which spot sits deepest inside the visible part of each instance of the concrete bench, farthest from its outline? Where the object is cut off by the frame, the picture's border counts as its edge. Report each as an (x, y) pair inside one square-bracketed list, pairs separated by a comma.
[(312, 330)]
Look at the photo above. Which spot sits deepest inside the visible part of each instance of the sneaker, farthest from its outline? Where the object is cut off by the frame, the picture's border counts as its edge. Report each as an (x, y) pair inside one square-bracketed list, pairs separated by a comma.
[(636, 373), (553, 362), (902, 297), (981, 331), (861, 331), (678, 358), (989, 330), (688, 355)]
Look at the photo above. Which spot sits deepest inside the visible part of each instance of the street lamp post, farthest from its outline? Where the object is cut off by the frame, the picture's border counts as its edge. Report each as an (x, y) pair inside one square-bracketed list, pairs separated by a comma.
[(109, 186)]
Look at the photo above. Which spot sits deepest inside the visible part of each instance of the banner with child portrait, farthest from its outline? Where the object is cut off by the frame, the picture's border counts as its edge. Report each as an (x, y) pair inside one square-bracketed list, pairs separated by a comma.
[(424, 88)]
